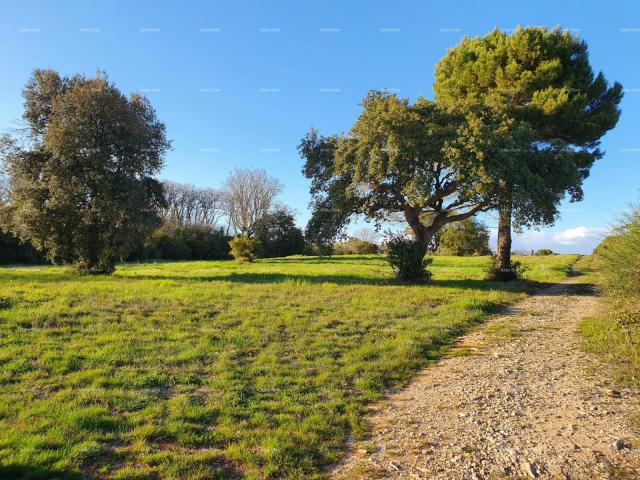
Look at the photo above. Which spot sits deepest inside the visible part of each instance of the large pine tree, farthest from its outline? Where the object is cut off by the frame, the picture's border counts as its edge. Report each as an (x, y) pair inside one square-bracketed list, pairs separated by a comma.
[(541, 81)]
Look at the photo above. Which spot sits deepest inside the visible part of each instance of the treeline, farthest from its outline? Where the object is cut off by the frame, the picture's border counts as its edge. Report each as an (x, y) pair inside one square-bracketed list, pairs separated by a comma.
[(514, 128), (79, 187)]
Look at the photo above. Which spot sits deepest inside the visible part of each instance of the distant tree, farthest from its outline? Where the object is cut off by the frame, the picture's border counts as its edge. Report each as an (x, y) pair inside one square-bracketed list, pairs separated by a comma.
[(248, 196), (467, 237), (188, 206), (544, 252), (403, 159), (540, 82), (186, 243), (278, 235), (83, 190), (354, 245), (366, 235)]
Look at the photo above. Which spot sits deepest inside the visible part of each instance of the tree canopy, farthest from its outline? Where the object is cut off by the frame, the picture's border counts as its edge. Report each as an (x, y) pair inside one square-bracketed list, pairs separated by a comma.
[(541, 81), (404, 159), (83, 189)]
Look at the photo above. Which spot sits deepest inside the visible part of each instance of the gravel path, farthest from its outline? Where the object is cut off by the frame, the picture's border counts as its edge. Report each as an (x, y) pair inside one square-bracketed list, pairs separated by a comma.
[(516, 401)]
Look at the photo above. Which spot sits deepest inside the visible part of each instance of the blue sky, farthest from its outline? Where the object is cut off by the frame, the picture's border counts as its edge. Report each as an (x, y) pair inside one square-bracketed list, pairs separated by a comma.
[(239, 83)]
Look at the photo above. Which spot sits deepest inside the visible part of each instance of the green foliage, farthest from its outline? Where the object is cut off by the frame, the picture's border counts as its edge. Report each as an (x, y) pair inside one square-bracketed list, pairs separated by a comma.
[(619, 257), (467, 237), (186, 243), (84, 191), (14, 250), (407, 259), (355, 245), (515, 271), (402, 158), (540, 83), (616, 334), (278, 235), (544, 251), (219, 369), (243, 248)]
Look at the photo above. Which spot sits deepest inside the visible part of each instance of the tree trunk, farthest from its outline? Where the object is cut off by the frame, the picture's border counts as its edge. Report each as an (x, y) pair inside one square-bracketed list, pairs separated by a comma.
[(503, 250)]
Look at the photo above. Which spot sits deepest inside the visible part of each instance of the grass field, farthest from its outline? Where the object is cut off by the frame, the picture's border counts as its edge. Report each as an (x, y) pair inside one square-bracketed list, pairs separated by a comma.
[(175, 370)]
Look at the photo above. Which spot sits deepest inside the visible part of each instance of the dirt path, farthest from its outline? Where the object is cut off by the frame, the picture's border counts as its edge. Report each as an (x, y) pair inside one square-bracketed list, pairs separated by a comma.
[(520, 405)]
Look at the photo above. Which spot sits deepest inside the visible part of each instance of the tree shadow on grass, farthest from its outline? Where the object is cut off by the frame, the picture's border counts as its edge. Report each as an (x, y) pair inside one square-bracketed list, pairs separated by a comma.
[(341, 279)]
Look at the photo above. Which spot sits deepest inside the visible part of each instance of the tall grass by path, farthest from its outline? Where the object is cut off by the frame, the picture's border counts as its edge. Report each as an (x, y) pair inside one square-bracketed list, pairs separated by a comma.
[(615, 268), (176, 370)]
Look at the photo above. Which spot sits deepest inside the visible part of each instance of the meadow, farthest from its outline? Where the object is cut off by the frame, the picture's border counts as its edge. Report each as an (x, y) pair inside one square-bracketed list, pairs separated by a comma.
[(263, 370)]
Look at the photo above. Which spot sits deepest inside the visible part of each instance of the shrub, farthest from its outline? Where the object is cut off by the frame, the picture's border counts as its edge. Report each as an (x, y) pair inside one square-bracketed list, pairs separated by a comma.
[(514, 272), (407, 259), (544, 251), (187, 243), (14, 250), (318, 249), (616, 333), (619, 257), (243, 248), (355, 246), (278, 235), (466, 237)]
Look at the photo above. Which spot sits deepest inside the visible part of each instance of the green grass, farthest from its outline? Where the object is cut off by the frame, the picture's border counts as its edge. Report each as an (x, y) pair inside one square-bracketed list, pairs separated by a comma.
[(178, 370)]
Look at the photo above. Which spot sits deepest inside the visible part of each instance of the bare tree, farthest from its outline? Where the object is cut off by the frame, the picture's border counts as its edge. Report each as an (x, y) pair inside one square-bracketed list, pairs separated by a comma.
[(248, 196), (187, 205), (367, 235)]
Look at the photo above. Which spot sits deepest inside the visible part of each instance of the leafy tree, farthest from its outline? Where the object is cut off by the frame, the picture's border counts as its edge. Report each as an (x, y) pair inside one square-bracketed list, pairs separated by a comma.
[(84, 191), (403, 159), (541, 82), (278, 235), (467, 237)]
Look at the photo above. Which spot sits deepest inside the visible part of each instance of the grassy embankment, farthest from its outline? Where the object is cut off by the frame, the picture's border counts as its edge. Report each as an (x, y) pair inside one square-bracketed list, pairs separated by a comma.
[(172, 370), (615, 268)]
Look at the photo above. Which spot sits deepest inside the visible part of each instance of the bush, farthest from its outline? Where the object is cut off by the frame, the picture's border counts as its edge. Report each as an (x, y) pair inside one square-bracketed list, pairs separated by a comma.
[(619, 257), (187, 243), (544, 252), (318, 249), (355, 246), (466, 237), (616, 333), (14, 250), (514, 272), (278, 235), (244, 249), (407, 259)]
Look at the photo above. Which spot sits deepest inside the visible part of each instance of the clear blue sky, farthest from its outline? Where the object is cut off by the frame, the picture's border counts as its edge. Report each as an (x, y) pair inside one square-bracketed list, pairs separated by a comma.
[(239, 83)]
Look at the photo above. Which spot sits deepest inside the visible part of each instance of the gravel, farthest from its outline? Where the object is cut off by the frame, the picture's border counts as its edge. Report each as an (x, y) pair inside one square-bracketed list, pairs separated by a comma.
[(521, 406)]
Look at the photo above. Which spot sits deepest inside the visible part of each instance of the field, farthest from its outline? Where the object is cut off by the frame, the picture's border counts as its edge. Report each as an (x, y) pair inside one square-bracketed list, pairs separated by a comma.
[(172, 370)]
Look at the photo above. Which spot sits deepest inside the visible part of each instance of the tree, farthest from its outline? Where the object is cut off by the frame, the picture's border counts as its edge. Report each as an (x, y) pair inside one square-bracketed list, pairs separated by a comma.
[(188, 206), (248, 196), (409, 159), (83, 190), (467, 237), (278, 235), (541, 82)]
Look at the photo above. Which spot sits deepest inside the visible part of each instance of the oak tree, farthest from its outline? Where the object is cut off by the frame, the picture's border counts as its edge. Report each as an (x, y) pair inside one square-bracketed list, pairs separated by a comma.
[(83, 189)]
